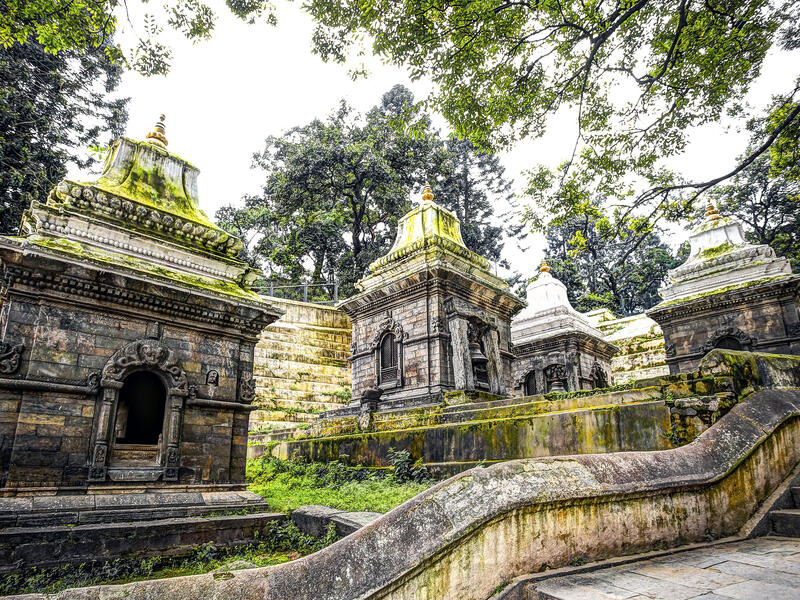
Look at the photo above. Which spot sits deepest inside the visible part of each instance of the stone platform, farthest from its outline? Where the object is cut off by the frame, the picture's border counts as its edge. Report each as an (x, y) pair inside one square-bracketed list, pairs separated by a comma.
[(749, 570), (44, 531)]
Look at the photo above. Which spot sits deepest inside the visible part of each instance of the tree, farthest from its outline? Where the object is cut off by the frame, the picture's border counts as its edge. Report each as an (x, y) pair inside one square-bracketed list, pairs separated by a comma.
[(767, 205), (471, 184), (86, 25), (638, 75), (52, 108), (603, 274), (335, 190)]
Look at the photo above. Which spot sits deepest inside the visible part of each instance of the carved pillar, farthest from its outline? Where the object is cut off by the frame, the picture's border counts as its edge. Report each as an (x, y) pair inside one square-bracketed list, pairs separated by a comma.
[(174, 438), (462, 365), (99, 464), (541, 381), (491, 344)]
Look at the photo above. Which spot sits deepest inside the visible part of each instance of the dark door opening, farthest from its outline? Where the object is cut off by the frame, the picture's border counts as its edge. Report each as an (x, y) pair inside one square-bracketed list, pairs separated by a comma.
[(140, 410), (728, 343), (530, 384)]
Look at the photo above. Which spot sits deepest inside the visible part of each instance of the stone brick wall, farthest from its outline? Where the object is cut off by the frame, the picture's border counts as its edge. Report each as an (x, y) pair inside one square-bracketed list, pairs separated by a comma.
[(421, 356), (301, 365), (47, 434)]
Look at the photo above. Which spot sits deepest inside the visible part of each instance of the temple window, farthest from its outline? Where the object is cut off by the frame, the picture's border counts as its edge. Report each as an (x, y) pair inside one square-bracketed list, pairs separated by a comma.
[(387, 357), (140, 410)]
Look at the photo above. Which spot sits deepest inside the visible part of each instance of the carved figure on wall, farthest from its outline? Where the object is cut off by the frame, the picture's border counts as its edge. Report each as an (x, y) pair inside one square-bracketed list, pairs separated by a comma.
[(150, 354), (599, 376), (247, 389), (10, 357), (555, 376), (212, 378), (731, 338)]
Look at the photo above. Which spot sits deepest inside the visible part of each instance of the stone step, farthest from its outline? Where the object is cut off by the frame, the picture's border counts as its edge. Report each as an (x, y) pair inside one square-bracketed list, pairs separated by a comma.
[(301, 353), (300, 402), (786, 522), (263, 384), (314, 346), (300, 338), (272, 374)]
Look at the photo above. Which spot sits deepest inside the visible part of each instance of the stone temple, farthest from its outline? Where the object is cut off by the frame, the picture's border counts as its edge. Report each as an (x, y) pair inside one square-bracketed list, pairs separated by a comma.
[(555, 346), (127, 339), (729, 294), (430, 317)]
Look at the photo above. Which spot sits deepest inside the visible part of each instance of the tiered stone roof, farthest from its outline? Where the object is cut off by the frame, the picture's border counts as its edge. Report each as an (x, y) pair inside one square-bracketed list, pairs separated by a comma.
[(141, 216)]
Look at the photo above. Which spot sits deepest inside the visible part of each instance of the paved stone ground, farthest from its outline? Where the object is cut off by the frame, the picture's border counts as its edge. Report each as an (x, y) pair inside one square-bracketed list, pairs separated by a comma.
[(760, 569)]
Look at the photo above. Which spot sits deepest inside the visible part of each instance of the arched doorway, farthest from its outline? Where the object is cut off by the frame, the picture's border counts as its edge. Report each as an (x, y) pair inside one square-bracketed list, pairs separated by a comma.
[(530, 384), (140, 409), (728, 342)]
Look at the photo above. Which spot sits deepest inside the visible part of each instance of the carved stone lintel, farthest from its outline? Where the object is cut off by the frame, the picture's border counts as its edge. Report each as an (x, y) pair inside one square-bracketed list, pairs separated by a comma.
[(388, 325), (148, 354), (745, 340), (10, 357)]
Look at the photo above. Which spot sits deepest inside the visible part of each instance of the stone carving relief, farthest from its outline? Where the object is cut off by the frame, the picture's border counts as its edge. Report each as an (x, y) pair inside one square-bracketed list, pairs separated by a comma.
[(388, 325), (598, 375), (247, 389), (212, 378), (145, 354), (10, 357), (555, 372)]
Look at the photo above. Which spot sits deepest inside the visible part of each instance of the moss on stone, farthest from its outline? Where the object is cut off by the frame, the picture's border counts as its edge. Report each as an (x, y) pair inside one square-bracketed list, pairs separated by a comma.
[(93, 254), (722, 290), (715, 251)]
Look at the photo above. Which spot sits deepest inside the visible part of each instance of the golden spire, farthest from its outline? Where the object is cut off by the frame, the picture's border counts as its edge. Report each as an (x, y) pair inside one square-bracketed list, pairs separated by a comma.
[(712, 214), (544, 268), (157, 137), (427, 195)]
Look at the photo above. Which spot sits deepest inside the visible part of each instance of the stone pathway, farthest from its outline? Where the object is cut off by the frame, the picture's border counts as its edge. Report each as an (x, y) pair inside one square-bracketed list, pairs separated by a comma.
[(760, 569)]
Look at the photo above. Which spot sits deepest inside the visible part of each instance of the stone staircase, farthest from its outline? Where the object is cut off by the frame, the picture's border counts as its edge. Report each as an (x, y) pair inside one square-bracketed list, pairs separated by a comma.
[(786, 521), (301, 367)]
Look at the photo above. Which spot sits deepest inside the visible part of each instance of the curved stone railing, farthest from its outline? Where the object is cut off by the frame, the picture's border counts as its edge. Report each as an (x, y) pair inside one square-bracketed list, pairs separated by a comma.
[(466, 536)]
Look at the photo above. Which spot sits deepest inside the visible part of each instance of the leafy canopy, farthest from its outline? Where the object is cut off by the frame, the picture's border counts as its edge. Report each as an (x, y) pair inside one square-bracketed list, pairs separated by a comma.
[(83, 25), (52, 107), (638, 75), (335, 189)]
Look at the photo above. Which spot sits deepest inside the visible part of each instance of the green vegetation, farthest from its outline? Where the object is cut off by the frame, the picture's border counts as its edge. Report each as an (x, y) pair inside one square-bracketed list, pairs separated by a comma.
[(723, 248), (334, 190), (281, 543), (93, 254), (287, 484)]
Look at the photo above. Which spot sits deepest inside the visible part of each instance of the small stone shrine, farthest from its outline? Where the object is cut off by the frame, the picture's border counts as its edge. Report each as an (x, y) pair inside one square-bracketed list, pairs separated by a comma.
[(430, 317), (127, 336), (556, 347), (729, 294)]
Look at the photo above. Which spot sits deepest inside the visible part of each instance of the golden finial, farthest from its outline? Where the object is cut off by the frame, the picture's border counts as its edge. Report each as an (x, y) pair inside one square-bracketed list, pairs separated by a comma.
[(544, 268), (427, 195), (712, 214), (157, 137)]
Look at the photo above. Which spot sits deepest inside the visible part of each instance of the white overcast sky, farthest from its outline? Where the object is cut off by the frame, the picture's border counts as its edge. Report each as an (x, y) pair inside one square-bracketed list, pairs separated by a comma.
[(224, 96)]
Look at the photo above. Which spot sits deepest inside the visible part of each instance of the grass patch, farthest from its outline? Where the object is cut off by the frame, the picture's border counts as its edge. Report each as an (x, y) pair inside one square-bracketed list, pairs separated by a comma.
[(288, 484), (281, 542)]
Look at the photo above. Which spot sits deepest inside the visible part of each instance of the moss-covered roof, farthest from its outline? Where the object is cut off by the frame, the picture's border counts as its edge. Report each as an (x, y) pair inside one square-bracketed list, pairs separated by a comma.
[(103, 258)]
